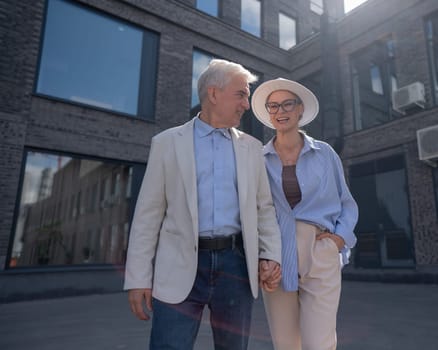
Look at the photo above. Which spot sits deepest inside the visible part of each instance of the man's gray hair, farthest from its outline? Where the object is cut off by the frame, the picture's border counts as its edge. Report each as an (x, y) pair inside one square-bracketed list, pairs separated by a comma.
[(219, 73)]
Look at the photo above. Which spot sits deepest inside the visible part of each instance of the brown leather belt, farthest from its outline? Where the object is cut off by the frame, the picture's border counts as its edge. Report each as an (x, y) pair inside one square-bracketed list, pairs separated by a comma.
[(218, 243)]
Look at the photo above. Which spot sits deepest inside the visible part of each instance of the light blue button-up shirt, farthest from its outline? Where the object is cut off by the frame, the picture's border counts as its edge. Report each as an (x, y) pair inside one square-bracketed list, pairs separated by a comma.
[(218, 201), (325, 201)]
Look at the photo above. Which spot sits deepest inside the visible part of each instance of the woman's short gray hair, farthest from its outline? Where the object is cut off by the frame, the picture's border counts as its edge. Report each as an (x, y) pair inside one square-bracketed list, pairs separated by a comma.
[(219, 73)]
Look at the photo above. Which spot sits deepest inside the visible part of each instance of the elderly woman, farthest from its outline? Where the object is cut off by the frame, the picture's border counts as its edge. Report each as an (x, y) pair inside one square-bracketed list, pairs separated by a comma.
[(316, 214)]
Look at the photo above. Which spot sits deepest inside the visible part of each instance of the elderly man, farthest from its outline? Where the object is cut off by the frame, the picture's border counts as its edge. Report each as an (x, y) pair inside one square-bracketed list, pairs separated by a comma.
[(204, 223)]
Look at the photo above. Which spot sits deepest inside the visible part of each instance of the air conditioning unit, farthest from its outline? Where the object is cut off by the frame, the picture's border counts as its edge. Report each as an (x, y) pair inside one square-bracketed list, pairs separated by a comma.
[(427, 139), (409, 96)]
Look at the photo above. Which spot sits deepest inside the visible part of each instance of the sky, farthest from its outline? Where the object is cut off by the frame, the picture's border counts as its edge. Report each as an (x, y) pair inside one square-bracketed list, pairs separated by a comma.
[(351, 4)]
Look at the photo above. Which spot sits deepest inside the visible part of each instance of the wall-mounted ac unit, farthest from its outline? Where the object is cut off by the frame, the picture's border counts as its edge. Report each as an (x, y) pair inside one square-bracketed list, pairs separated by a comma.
[(427, 139), (409, 96)]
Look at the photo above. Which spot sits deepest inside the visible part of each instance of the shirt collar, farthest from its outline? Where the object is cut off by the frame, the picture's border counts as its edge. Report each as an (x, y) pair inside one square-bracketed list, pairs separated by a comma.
[(309, 143), (203, 129)]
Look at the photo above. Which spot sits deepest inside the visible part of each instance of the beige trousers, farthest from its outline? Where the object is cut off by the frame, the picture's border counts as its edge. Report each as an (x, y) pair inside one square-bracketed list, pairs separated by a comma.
[(306, 320)]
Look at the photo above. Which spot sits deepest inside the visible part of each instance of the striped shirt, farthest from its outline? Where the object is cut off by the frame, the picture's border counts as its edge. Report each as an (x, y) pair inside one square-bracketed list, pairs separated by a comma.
[(325, 201)]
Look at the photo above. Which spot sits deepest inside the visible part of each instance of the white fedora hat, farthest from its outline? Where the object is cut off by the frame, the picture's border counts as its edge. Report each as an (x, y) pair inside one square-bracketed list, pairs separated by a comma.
[(261, 94)]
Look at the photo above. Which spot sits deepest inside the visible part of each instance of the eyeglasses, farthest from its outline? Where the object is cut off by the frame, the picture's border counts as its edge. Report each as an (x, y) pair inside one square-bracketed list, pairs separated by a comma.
[(286, 106)]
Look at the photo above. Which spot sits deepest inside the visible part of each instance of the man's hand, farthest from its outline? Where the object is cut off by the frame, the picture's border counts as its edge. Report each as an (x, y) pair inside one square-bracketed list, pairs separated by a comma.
[(269, 275), (136, 297)]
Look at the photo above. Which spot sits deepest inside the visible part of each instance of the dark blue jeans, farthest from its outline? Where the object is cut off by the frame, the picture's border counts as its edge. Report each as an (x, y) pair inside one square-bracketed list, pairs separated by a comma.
[(222, 284)]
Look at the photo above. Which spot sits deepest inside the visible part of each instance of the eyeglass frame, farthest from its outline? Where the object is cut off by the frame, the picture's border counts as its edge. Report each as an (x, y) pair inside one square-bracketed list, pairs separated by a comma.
[(296, 101)]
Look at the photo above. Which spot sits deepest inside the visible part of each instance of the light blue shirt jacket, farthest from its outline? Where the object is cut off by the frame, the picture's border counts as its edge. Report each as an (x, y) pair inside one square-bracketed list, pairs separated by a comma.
[(325, 201)]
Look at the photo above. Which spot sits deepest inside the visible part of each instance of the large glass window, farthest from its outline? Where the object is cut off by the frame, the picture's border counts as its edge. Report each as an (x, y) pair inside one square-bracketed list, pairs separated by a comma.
[(251, 16), (73, 211), (287, 31), (97, 60), (374, 80), (384, 226), (432, 43), (208, 6)]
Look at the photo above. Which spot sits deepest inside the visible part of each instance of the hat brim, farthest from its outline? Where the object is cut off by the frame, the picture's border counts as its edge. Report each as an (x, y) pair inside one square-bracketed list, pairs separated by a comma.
[(309, 100)]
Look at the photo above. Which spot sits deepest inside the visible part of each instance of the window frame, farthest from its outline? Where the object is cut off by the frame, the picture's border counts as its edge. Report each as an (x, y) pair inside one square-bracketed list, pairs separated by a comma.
[(148, 70), (375, 169), (294, 20), (260, 17), (66, 212), (385, 62)]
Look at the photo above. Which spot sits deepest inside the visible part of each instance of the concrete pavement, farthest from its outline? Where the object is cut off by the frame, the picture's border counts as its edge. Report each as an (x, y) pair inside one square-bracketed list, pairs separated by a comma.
[(372, 316)]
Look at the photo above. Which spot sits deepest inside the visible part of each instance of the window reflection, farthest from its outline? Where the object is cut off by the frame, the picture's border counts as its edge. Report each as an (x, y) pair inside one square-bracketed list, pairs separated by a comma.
[(376, 80), (251, 16), (288, 31), (93, 59), (384, 226), (72, 211), (208, 6)]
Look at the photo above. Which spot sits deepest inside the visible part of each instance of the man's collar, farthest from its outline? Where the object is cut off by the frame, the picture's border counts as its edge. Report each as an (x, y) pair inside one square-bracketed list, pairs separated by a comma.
[(203, 129)]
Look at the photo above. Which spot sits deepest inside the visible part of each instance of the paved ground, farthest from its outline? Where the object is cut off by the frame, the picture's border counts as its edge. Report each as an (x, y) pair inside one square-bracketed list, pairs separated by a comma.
[(372, 316)]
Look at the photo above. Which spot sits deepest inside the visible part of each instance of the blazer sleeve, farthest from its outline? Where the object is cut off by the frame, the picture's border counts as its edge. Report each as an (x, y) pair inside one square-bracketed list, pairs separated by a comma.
[(148, 216)]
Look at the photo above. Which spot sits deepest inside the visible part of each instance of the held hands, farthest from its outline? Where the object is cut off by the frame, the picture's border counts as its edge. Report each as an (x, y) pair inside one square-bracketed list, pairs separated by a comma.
[(136, 297), (269, 275)]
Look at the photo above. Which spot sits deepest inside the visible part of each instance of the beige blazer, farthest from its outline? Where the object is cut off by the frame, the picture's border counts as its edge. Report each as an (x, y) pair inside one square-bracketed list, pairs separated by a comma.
[(163, 243)]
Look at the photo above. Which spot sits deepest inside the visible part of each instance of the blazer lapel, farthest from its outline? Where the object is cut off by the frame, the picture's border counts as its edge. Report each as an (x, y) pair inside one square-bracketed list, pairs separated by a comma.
[(242, 168), (185, 154)]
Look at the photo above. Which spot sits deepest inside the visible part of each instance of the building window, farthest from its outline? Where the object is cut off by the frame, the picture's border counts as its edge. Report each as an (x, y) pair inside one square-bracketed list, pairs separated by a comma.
[(89, 234), (287, 31), (201, 60), (208, 6), (317, 6), (374, 80), (384, 227), (432, 43), (251, 16), (97, 60)]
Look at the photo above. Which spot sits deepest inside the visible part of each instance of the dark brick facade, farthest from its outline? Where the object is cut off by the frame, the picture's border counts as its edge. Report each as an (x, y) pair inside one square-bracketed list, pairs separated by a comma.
[(29, 120)]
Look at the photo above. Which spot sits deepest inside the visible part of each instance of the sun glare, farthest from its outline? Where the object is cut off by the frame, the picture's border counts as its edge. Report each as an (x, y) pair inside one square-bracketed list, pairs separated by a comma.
[(351, 4)]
